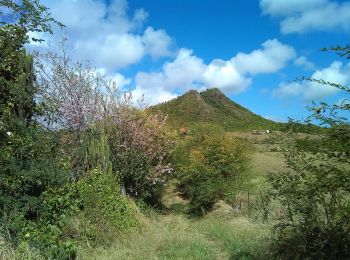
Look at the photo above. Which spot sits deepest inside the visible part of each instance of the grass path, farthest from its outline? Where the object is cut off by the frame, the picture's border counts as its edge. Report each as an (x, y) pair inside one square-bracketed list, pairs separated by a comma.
[(177, 237), (218, 235)]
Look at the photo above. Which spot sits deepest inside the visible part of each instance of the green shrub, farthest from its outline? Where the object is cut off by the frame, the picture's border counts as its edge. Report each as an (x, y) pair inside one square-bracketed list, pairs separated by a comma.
[(29, 172), (315, 197), (314, 194), (211, 169), (100, 197)]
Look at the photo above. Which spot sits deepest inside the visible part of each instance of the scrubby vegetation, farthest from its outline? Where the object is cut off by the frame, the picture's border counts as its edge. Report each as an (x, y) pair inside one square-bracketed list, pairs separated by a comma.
[(211, 107), (86, 174), (68, 149), (210, 168), (314, 193)]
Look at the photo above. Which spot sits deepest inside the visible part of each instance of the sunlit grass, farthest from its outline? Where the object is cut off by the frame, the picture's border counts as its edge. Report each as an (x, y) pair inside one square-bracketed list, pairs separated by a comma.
[(216, 236)]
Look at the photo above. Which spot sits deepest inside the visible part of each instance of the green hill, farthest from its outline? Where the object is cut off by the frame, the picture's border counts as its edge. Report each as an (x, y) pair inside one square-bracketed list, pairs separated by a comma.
[(211, 107)]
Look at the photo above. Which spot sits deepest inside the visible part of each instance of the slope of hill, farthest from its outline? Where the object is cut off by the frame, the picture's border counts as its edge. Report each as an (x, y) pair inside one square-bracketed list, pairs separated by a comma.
[(211, 107)]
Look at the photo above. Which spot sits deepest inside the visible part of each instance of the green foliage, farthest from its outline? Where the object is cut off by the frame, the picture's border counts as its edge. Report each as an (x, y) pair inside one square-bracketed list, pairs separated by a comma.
[(46, 236), (32, 206), (32, 210), (315, 197), (133, 168), (100, 197), (16, 73), (210, 169), (18, 90), (211, 107), (97, 152), (97, 193), (293, 126), (315, 193)]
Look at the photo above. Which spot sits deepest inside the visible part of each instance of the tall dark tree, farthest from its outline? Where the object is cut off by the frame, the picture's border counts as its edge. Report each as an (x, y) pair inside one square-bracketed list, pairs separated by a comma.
[(19, 19), (28, 154)]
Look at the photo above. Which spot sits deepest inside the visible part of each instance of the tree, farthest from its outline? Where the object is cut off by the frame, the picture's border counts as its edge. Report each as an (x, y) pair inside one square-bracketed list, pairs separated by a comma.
[(141, 145), (315, 193), (20, 19), (71, 91), (211, 167), (28, 153)]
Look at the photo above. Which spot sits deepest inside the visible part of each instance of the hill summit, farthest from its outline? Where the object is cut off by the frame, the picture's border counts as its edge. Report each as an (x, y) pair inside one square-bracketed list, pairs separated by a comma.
[(211, 107)]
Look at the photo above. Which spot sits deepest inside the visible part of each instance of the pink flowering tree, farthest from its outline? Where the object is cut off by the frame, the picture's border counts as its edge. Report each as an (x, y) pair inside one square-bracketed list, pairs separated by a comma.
[(79, 99)]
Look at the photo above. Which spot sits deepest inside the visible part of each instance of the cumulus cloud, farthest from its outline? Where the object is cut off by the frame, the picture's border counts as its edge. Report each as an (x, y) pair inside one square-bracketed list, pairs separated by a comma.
[(300, 16), (304, 62), (157, 42), (113, 52), (224, 74), (288, 90), (156, 96), (120, 80), (337, 73), (272, 57), (183, 72), (283, 7), (106, 35), (188, 71)]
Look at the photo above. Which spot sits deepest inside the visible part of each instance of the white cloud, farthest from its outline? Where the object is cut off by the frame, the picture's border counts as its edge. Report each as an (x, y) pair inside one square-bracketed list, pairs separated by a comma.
[(157, 42), (117, 78), (337, 73), (308, 15), (288, 90), (271, 58), (283, 7), (157, 95), (185, 71), (120, 80), (304, 62), (182, 73), (106, 35), (113, 52), (188, 71), (224, 75)]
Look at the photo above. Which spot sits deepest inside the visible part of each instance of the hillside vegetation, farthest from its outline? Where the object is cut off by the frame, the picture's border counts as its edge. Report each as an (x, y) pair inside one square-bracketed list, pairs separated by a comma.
[(211, 107)]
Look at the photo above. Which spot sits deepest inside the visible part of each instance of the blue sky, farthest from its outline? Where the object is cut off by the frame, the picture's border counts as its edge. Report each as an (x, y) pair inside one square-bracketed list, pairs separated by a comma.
[(252, 50)]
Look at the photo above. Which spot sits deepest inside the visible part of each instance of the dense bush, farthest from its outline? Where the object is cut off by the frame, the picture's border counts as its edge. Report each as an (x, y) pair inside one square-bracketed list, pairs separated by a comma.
[(314, 194), (140, 146), (139, 143), (210, 169), (315, 198), (100, 198), (38, 192), (28, 172)]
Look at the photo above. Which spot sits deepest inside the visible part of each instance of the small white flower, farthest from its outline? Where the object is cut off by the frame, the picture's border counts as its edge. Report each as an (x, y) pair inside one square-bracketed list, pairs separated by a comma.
[(9, 134)]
